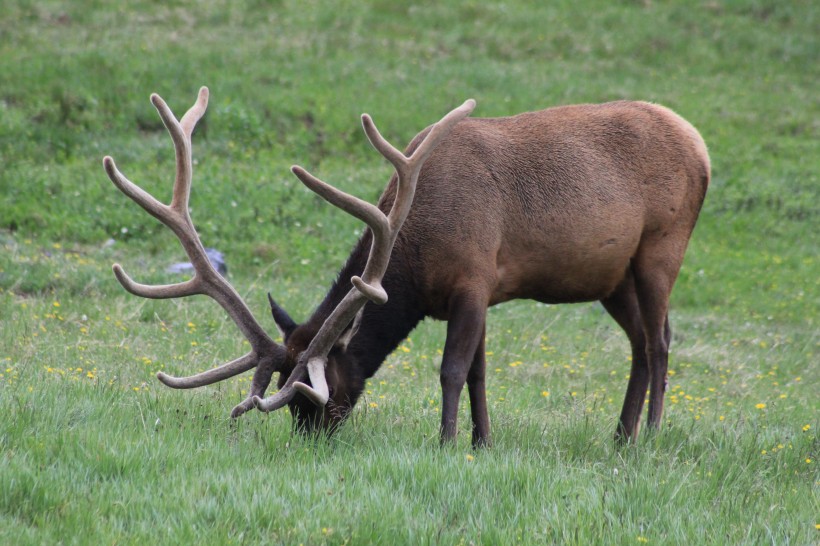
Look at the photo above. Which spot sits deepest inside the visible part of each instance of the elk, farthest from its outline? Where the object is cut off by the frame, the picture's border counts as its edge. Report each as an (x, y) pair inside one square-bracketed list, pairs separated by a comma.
[(570, 204)]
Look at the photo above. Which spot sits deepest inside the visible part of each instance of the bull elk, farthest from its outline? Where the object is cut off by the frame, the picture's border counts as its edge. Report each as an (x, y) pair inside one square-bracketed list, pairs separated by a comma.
[(569, 204)]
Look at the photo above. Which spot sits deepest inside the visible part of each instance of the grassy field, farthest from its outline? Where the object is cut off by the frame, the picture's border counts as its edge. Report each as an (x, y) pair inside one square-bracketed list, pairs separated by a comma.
[(93, 450)]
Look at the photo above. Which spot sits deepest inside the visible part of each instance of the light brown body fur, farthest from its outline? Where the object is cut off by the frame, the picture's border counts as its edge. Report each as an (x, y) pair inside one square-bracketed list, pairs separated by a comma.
[(553, 205)]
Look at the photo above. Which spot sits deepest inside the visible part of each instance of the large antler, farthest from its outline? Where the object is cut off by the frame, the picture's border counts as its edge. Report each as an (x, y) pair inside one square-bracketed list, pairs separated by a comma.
[(264, 352), (367, 287)]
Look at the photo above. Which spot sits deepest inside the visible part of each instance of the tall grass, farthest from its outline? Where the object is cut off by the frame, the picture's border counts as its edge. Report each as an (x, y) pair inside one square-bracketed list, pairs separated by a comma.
[(94, 450)]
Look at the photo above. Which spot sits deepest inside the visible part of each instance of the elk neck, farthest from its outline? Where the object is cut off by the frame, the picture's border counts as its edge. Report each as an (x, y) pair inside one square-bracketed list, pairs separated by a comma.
[(382, 327)]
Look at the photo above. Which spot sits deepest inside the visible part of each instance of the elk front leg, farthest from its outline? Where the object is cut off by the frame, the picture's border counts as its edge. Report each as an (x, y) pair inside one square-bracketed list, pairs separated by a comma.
[(465, 332)]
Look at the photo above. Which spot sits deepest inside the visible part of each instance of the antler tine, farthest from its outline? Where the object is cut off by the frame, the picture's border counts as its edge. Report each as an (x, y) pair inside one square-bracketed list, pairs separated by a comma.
[(206, 280), (364, 211), (181, 132), (370, 214), (157, 292), (195, 112), (137, 194), (440, 130), (230, 369), (403, 163), (385, 229)]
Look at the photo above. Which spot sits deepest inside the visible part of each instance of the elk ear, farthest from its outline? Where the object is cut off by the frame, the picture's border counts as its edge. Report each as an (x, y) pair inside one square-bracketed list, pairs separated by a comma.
[(283, 321), (347, 336)]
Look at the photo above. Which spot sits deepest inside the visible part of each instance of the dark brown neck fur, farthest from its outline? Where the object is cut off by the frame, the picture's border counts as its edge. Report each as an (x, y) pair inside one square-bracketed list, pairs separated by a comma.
[(383, 327)]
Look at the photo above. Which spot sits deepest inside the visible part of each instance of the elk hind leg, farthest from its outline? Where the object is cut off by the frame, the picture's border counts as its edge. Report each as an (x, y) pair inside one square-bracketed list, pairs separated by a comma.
[(653, 283), (478, 395), (622, 305)]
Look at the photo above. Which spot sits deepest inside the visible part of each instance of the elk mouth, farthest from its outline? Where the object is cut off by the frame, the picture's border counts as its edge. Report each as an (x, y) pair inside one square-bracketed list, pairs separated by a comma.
[(312, 420)]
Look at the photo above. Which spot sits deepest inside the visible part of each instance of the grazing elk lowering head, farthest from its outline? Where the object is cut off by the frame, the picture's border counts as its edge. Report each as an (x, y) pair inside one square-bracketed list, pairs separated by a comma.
[(569, 204)]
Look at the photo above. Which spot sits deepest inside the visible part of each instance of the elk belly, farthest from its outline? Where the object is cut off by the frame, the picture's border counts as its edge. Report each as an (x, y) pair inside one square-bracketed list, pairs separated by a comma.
[(583, 273)]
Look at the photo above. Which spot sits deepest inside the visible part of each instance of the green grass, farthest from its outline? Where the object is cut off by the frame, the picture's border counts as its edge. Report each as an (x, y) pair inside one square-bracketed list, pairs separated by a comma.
[(94, 450)]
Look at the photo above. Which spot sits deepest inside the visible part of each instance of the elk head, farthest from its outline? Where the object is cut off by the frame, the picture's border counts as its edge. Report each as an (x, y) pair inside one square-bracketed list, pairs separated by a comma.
[(304, 363), (342, 375)]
